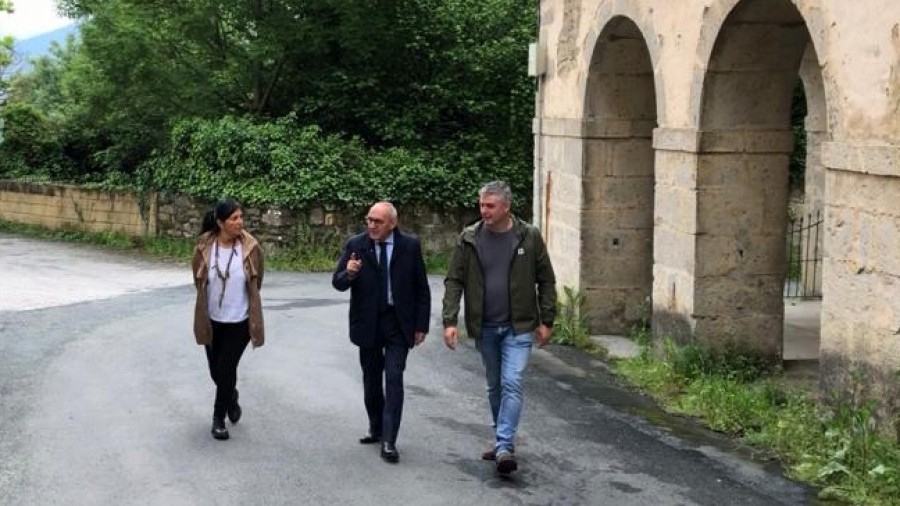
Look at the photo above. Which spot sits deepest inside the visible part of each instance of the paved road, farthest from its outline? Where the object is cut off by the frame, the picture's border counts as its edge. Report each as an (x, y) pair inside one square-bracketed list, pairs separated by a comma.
[(105, 400)]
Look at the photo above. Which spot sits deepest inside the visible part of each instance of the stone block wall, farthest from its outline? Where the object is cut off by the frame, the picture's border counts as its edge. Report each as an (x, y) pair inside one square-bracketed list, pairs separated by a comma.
[(57, 206), (723, 77), (61, 206), (285, 229), (860, 348)]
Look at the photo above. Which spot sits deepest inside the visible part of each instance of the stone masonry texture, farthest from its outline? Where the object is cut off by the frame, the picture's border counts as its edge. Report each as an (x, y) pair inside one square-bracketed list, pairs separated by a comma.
[(662, 141)]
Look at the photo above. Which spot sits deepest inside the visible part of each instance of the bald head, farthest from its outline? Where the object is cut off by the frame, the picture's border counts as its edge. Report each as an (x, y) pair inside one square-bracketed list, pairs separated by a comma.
[(381, 220)]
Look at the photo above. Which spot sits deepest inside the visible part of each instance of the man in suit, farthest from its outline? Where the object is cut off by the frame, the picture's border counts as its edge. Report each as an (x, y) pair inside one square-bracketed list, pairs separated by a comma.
[(390, 305)]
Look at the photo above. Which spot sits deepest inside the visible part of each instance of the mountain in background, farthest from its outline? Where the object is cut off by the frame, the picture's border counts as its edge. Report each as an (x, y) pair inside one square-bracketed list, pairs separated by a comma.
[(39, 45)]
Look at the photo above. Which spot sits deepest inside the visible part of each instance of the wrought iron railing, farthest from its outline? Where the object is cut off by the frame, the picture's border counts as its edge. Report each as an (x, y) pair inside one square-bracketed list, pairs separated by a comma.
[(804, 257)]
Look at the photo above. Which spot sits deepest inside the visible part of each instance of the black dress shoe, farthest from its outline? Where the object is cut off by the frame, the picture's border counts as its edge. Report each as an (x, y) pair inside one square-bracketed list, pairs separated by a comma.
[(234, 411), (389, 452), (218, 428), (369, 439)]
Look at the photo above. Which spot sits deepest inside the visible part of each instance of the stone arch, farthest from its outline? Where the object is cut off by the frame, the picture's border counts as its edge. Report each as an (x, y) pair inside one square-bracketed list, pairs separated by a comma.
[(818, 131), (745, 142), (714, 18), (617, 182), (606, 14)]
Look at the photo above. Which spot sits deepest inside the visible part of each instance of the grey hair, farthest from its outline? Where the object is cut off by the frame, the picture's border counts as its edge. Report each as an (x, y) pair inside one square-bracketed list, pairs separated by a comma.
[(498, 188)]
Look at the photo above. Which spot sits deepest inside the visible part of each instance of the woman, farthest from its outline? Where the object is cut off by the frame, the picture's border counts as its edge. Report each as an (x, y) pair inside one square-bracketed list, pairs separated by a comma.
[(228, 273)]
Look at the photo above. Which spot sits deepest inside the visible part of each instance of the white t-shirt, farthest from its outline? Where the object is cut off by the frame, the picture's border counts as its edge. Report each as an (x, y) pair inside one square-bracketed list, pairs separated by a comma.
[(235, 304)]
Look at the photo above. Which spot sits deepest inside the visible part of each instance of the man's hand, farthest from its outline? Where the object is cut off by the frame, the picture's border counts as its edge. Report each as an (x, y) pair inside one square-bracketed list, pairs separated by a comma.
[(354, 264), (420, 336), (543, 334), (450, 337)]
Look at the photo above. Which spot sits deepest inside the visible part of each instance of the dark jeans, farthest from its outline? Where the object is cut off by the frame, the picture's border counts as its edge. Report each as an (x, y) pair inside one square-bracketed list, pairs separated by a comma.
[(382, 368), (228, 344)]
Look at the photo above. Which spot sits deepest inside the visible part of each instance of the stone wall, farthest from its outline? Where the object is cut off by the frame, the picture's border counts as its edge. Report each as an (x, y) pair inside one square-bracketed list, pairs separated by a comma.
[(721, 74), (61, 206), (285, 229), (56, 206)]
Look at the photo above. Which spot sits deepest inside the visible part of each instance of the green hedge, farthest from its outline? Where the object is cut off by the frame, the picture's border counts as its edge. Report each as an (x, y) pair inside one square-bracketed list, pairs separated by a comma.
[(281, 163)]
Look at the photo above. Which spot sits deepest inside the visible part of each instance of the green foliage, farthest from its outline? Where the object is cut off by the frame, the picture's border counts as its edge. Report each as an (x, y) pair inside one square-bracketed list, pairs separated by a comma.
[(729, 406), (641, 331), (315, 253), (855, 463), (281, 163), (570, 327), (167, 247), (437, 262), (6, 53), (425, 88), (835, 449), (112, 240), (797, 168), (28, 141)]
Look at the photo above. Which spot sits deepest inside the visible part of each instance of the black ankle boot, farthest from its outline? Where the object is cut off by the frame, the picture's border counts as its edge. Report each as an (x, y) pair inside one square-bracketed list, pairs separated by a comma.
[(234, 411), (218, 428)]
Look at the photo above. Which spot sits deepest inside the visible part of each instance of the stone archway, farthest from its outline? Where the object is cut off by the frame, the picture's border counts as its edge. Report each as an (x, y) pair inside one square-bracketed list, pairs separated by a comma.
[(817, 130), (742, 175), (618, 179)]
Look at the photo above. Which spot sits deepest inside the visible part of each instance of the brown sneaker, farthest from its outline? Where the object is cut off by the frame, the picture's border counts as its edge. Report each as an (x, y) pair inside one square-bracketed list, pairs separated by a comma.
[(506, 463)]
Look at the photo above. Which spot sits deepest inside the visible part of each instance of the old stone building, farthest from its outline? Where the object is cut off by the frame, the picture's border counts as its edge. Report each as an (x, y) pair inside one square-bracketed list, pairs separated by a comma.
[(663, 140)]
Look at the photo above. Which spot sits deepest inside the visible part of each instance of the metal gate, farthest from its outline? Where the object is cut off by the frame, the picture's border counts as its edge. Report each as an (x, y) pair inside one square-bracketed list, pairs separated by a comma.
[(804, 257)]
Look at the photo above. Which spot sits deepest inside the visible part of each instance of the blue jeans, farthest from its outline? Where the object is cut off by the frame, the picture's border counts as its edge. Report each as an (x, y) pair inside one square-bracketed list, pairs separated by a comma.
[(505, 356)]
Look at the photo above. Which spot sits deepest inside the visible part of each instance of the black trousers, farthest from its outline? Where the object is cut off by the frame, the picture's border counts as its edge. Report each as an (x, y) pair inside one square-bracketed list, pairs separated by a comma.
[(382, 369), (228, 344)]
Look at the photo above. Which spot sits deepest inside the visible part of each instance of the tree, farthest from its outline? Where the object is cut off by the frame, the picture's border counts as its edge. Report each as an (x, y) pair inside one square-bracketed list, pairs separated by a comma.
[(443, 79), (6, 50)]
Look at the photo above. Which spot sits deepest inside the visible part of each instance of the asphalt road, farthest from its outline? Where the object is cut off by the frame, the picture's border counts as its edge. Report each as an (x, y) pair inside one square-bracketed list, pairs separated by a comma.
[(106, 400)]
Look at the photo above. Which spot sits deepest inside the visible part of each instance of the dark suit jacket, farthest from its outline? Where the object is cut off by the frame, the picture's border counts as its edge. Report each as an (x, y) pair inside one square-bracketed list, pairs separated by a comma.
[(409, 287)]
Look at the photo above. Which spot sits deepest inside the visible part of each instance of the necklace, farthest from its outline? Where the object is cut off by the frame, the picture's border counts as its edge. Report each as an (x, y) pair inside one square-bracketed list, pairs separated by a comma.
[(224, 277)]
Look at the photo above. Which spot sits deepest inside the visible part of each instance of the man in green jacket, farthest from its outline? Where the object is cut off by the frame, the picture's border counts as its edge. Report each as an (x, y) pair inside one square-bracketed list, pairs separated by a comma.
[(501, 266)]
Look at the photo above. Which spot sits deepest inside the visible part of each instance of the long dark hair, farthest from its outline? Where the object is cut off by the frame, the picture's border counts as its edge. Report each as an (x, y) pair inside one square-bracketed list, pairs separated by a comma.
[(223, 209)]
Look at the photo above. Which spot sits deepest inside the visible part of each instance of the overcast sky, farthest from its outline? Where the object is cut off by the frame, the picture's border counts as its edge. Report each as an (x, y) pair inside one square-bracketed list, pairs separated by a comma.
[(31, 17)]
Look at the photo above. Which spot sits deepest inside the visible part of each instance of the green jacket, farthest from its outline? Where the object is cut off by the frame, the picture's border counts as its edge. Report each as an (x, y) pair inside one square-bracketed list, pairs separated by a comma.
[(532, 284)]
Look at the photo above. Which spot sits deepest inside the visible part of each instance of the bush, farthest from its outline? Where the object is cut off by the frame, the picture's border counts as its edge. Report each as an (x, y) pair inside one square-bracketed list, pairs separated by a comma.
[(29, 146), (281, 163)]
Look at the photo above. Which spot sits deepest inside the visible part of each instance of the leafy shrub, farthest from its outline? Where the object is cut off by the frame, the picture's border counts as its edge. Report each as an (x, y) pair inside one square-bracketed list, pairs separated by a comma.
[(281, 163), (570, 327), (29, 146)]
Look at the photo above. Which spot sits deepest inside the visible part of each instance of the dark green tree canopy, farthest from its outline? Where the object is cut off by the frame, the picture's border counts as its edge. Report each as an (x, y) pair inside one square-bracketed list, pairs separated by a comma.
[(442, 80)]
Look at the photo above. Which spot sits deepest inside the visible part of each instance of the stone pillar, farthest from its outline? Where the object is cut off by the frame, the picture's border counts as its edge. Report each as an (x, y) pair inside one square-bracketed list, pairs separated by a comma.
[(860, 348), (721, 211), (617, 223), (742, 185), (561, 194), (675, 233), (617, 210)]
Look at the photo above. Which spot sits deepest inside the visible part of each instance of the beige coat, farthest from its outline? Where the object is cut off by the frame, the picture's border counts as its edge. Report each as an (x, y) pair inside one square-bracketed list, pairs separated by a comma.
[(253, 270)]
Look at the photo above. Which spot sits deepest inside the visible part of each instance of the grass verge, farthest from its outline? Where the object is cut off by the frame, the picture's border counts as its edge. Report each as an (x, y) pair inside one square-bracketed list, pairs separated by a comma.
[(314, 256), (835, 449)]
